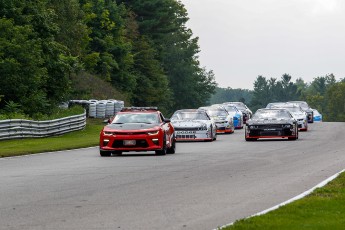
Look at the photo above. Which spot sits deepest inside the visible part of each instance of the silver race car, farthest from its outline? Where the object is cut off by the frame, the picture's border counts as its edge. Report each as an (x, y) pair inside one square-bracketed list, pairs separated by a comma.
[(193, 125)]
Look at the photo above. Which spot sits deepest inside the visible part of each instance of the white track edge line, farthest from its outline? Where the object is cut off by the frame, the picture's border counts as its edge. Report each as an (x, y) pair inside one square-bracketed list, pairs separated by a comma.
[(36, 154), (300, 196)]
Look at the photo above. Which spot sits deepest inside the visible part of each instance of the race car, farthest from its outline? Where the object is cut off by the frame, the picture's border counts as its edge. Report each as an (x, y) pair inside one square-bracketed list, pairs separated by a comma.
[(224, 121), (235, 113), (271, 123), (297, 112), (193, 125), (138, 129), (317, 116), (247, 113), (304, 105)]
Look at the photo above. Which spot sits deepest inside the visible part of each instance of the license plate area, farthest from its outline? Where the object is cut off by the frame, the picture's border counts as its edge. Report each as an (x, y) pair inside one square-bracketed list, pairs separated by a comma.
[(129, 142)]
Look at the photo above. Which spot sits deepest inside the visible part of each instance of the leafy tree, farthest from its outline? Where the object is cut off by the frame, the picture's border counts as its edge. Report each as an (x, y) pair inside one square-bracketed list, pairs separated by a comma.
[(228, 94), (261, 93), (163, 22), (73, 31), (109, 51), (30, 57), (335, 97)]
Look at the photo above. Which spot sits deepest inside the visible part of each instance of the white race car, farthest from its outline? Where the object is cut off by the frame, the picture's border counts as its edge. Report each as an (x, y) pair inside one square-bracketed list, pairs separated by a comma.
[(193, 125), (224, 121)]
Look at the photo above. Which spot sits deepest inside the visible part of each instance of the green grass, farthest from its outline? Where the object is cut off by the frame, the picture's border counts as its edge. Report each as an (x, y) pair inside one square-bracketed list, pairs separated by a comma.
[(78, 139), (323, 209)]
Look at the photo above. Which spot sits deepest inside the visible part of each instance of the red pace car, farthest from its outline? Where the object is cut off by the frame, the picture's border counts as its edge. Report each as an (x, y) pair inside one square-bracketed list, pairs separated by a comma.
[(138, 129)]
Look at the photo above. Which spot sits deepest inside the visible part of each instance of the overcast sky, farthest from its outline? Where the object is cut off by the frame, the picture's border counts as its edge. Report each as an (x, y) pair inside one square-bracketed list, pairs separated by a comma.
[(241, 39)]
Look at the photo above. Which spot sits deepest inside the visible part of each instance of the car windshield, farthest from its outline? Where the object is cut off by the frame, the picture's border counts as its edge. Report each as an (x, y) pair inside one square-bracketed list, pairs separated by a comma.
[(239, 106), (266, 114), (294, 109), (303, 105), (151, 118), (221, 113), (231, 108), (198, 115)]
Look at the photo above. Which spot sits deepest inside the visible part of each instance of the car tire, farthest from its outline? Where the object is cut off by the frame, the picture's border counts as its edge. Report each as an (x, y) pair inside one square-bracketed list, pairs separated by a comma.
[(104, 153), (172, 149), (163, 151), (250, 139)]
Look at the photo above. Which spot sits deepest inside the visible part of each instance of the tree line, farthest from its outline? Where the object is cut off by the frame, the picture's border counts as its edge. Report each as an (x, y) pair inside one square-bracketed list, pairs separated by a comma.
[(143, 49), (324, 93)]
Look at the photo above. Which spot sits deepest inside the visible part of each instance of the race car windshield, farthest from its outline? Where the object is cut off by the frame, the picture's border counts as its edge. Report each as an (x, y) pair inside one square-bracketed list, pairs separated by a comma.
[(271, 114), (150, 118), (189, 116), (231, 109), (217, 113), (294, 109)]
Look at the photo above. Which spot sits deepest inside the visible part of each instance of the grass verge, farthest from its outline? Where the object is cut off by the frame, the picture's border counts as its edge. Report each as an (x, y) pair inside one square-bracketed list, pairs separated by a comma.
[(322, 209), (78, 139)]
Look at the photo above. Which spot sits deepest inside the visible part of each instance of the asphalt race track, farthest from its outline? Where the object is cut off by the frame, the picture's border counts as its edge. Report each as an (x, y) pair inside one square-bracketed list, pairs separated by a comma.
[(202, 186)]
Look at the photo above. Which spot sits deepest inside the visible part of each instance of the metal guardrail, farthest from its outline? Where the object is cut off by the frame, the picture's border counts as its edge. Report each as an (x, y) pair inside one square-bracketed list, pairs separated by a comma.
[(20, 128)]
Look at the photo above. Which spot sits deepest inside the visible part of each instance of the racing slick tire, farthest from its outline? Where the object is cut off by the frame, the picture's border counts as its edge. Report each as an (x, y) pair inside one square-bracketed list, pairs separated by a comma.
[(250, 139), (104, 153)]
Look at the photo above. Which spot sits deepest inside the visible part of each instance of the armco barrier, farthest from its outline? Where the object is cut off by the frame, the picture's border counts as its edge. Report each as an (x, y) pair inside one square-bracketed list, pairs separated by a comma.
[(19, 128)]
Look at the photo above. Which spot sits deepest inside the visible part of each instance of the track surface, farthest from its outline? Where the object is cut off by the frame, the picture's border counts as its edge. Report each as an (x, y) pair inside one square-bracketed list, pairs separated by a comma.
[(202, 186)]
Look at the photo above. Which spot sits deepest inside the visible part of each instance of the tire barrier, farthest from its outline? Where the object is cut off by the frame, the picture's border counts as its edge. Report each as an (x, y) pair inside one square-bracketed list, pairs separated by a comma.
[(99, 108), (20, 128)]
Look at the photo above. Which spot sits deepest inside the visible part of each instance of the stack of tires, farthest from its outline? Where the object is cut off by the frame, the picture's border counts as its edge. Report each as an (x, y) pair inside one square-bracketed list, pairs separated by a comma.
[(100, 109), (118, 105), (110, 108), (92, 108)]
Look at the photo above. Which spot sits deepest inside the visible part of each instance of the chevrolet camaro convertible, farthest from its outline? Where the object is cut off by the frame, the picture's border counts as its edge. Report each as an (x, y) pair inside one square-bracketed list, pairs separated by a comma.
[(137, 129), (193, 125), (271, 123)]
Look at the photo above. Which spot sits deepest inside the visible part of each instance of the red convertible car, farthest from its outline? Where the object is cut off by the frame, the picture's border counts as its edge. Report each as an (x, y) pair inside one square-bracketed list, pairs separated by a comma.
[(137, 129)]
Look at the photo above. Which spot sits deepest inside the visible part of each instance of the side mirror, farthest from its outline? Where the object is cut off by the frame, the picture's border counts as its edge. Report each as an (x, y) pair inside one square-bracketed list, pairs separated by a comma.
[(166, 120)]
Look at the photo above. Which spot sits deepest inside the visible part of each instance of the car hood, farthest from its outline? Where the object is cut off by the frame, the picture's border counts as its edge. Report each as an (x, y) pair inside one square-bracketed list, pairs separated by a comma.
[(188, 123), (131, 126), (269, 121)]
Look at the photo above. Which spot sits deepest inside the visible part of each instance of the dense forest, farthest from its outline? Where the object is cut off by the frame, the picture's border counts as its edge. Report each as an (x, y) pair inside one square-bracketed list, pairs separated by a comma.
[(136, 50), (324, 93)]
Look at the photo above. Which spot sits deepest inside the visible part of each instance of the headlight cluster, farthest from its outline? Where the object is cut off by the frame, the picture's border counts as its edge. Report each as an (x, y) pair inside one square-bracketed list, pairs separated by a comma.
[(151, 133), (287, 126), (107, 133), (253, 126)]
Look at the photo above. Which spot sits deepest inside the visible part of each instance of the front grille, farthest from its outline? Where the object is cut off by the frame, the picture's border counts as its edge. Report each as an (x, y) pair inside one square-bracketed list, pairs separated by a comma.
[(221, 128), (129, 133), (189, 128), (185, 136), (139, 144), (280, 132)]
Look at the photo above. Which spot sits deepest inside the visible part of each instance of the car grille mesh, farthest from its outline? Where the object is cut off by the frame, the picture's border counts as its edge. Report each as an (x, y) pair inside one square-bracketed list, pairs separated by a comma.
[(139, 143)]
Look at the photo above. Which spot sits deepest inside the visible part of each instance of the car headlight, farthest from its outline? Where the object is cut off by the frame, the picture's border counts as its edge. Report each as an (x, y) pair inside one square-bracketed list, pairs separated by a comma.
[(107, 133), (151, 133), (287, 126), (253, 126)]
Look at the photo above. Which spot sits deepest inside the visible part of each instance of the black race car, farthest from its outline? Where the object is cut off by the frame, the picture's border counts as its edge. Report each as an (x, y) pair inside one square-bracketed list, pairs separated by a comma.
[(271, 123)]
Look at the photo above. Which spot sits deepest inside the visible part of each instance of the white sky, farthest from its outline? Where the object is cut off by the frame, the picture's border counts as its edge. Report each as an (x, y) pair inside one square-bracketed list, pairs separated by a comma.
[(241, 39)]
